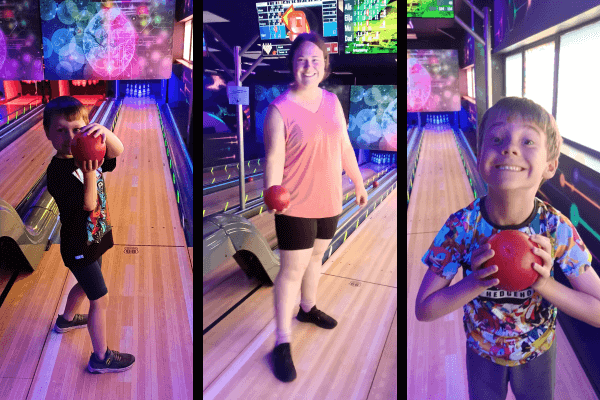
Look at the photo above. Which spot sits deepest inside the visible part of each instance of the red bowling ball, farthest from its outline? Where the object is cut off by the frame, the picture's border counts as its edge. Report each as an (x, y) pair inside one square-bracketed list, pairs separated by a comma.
[(250, 179), (375, 184), (88, 148), (277, 198), (514, 258)]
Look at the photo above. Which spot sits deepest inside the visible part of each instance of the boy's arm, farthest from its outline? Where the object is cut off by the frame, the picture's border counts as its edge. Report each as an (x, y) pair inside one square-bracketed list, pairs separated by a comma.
[(114, 147)]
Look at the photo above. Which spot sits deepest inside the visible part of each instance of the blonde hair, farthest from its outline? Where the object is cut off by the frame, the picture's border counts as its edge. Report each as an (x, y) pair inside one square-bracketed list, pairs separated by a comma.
[(529, 111), (68, 107)]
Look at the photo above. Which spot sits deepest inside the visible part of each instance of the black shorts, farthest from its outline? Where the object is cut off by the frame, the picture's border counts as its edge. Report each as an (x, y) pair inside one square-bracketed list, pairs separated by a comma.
[(91, 280), (295, 233)]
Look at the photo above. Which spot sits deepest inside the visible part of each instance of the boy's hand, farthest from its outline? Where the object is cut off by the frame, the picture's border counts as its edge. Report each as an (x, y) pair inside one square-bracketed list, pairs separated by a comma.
[(545, 253), (89, 166), (479, 276), (95, 130)]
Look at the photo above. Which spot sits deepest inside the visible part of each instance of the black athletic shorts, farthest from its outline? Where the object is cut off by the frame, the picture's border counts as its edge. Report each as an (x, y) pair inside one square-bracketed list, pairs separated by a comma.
[(295, 233)]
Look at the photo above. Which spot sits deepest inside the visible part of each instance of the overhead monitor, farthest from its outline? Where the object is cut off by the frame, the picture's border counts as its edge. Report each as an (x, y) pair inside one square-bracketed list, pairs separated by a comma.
[(430, 9), (280, 22), (370, 26)]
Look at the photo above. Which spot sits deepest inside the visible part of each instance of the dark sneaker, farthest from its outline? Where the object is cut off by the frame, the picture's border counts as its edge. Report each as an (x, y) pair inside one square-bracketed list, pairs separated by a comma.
[(113, 362), (282, 361)]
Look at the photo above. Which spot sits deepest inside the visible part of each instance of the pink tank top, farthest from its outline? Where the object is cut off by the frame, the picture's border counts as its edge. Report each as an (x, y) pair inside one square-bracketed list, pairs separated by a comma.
[(313, 157)]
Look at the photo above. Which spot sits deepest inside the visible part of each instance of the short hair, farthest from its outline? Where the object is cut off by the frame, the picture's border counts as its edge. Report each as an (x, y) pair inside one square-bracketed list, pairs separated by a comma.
[(315, 38), (529, 111), (68, 107)]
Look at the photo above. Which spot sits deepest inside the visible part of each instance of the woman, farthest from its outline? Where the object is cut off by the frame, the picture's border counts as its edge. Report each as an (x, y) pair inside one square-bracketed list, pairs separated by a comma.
[(306, 147)]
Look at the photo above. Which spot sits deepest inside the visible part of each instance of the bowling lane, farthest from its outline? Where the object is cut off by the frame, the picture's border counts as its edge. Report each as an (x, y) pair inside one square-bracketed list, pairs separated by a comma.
[(144, 196), (440, 187)]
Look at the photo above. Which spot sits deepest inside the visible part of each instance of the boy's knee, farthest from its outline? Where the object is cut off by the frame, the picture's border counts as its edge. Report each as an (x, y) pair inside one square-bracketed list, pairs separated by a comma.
[(101, 302)]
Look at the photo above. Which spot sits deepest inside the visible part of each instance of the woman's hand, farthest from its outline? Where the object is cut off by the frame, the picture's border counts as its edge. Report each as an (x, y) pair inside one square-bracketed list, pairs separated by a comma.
[(361, 196)]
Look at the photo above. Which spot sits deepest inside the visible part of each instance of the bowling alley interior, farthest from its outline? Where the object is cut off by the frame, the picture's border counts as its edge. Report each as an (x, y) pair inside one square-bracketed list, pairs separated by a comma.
[(489, 84), (96, 200), (245, 71)]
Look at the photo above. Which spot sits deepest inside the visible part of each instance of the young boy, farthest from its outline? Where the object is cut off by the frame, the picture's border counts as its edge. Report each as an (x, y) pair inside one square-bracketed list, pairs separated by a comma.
[(510, 335), (86, 231)]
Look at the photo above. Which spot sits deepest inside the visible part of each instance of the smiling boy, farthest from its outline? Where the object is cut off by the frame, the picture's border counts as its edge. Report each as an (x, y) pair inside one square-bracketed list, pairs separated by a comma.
[(511, 335), (518, 150)]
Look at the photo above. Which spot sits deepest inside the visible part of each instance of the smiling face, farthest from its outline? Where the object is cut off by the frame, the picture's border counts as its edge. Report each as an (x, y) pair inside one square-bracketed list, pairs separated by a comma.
[(308, 60), (61, 133), (519, 144)]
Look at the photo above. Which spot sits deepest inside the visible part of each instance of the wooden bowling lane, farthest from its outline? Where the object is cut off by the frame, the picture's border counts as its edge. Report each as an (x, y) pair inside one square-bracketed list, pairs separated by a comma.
[(148, 273), (357, 359), (436, 350)]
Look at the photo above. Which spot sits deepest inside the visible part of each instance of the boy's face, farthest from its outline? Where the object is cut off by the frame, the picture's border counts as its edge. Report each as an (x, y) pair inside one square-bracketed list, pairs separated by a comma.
[(61, 133), (515, 143)]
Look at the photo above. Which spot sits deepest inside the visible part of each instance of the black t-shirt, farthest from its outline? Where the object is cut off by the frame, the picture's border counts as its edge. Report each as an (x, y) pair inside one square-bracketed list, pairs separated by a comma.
[(84, 235)]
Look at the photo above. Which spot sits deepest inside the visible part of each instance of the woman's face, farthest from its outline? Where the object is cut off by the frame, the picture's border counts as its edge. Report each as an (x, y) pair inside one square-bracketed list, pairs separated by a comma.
[(309, 66)]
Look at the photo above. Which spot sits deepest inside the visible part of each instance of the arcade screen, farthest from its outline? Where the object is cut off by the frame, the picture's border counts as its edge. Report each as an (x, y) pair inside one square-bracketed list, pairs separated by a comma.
[(280, 22), (430, 9), (373, 117), (370, 26), (107, 40), (432, 80)]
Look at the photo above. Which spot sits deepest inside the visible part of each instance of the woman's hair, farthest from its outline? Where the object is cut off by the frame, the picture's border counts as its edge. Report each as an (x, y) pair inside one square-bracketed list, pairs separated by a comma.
[(529, 111), (66, 106), (317, 40)]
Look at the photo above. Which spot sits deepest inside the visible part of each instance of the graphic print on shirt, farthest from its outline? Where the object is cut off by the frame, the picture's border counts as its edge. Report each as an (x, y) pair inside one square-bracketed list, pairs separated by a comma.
[(98, 222)]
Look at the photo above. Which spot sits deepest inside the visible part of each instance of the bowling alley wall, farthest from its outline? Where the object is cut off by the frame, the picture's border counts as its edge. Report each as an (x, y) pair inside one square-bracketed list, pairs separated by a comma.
[(370, 112), (559, 72)]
